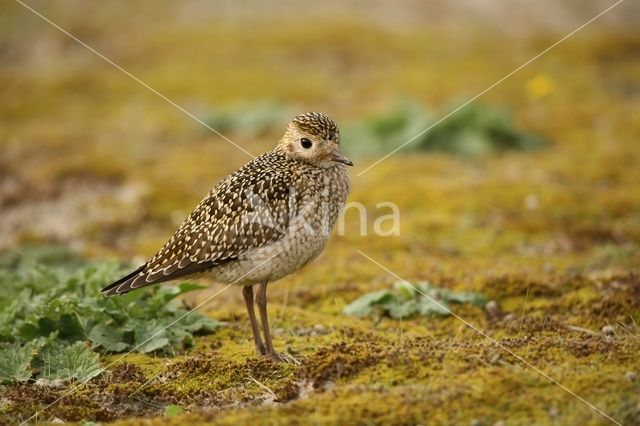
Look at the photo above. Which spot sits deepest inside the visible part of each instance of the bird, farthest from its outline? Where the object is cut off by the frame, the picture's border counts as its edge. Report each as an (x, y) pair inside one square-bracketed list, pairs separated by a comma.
[(261, 223)]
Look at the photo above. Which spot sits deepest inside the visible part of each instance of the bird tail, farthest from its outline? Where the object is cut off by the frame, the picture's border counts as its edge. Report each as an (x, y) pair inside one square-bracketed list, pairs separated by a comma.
[(125, 284), (142, 277)]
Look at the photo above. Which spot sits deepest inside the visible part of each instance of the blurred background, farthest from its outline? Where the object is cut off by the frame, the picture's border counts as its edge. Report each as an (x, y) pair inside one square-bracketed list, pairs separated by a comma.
[(91, 158), (532, 185)]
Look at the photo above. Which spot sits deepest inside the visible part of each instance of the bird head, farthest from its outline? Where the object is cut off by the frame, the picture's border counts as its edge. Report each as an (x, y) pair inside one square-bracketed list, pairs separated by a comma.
[(314, 138)]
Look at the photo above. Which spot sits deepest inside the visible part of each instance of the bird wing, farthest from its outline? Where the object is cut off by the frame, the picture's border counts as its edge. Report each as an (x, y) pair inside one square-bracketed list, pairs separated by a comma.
[(249, 209)]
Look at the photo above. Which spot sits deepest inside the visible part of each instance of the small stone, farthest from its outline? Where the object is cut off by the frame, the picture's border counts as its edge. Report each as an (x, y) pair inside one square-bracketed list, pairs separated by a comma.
[(509, 317), (328, 385), (631, 376), (493, 310), (5, 403), (553, 412), (499, 423), (56, 383), (320, 329), (475, 422), (531, 202), (608, 330)]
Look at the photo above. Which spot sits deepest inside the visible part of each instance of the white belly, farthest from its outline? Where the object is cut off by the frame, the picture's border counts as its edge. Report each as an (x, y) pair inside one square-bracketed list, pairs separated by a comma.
[(269, 263)]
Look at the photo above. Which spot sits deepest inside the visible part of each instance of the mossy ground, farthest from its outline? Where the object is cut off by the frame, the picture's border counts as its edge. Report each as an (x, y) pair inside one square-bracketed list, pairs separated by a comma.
[(90, 158)]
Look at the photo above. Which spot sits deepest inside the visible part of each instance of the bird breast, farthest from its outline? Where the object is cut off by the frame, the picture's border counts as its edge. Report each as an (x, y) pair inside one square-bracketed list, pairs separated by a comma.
[(315, 203)]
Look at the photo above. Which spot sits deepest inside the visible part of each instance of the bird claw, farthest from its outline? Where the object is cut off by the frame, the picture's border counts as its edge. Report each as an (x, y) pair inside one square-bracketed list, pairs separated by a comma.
[(282, 357)]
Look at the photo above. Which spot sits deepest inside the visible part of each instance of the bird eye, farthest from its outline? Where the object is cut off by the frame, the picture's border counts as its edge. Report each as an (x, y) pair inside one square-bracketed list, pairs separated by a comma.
[(306, 143)]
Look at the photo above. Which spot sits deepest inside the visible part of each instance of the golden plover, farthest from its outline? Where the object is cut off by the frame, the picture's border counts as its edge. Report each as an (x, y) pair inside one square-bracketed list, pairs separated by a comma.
[(264, 221)]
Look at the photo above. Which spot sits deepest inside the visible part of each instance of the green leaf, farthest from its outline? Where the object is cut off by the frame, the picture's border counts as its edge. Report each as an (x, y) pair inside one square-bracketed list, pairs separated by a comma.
[(179, 337), (365, 305), (76, 361), (405, 290), (428, 307), (15, 363), (196, 322), (476, 130), (149, 336), (160, 301), (402, 310), (173, 410), (409, 299), (70, 328), (59, 302), (108, 337), (463, 297)]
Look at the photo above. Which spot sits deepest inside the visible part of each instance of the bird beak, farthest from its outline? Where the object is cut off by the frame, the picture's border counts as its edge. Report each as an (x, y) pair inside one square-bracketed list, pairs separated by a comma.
[(338, 157)]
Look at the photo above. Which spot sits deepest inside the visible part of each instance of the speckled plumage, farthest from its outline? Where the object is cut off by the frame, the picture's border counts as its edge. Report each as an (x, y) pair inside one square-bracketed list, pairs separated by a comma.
[(264, 221), (317, 124)]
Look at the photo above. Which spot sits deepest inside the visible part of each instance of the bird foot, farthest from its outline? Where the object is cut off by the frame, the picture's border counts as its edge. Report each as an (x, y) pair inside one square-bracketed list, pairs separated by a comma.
[(282, 357)]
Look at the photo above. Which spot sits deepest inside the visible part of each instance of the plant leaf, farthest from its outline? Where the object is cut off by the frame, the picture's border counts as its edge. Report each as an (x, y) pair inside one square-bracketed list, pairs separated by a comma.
[(76, 361), (149, 336), (15, 363), (108, 337), (409, 299), (365, 304), (173, 410), (59, 302)]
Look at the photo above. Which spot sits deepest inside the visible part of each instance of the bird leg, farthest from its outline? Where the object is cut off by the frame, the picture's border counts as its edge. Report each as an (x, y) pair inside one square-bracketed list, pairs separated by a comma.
[(261, 301), (247, 292)]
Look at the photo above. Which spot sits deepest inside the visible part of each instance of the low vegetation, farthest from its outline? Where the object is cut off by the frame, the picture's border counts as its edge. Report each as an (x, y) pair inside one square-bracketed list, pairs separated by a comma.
[(475, 130), (53, 322), (407, 300)]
